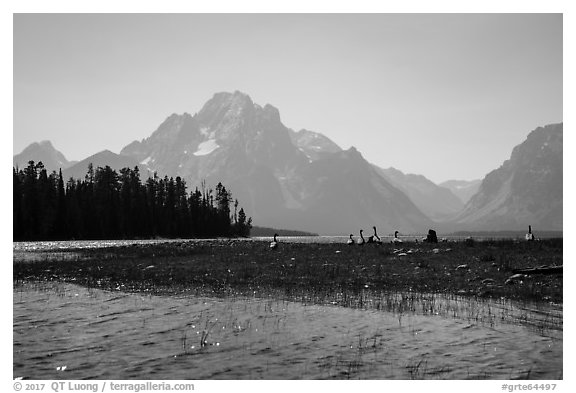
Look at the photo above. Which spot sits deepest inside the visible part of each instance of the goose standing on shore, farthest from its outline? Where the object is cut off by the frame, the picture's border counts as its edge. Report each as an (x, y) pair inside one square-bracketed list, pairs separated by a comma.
[(274, 243), (396, 240), (374, 238), (350, 241), (361, 241), (529, 235)]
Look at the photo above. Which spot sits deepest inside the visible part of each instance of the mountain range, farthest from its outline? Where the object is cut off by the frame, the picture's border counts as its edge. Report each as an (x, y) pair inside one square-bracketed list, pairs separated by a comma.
[(463, 189), (302, 180), (524, 190), (41, 151)]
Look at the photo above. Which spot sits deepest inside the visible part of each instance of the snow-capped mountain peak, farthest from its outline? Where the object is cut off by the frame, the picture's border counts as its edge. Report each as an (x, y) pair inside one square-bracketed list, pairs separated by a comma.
[(271, 168)]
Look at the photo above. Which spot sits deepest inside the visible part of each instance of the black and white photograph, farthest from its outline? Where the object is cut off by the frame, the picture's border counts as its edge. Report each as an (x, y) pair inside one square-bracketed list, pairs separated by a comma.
[(271, 196)]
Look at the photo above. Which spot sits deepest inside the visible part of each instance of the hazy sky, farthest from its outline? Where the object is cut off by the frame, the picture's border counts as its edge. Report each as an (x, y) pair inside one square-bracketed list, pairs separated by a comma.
[(443, 95)]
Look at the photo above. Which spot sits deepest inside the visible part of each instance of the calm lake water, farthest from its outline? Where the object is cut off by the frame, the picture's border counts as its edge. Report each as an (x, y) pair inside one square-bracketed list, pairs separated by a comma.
[(64, 331), (87, 244)]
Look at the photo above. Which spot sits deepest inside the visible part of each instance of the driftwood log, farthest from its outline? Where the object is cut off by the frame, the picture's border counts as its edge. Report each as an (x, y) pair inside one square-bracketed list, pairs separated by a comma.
[(540, 270)]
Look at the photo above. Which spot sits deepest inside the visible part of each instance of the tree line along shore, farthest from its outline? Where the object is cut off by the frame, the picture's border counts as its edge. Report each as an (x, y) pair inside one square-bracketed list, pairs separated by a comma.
[(110, 205)]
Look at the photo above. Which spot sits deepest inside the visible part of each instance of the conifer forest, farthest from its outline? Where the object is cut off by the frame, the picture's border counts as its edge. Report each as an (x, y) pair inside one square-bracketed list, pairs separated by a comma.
[(111, 205)]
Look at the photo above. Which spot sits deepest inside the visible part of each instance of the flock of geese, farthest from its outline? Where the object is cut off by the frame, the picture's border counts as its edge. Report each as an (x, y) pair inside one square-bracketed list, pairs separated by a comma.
[(375, 239), (371, 239)]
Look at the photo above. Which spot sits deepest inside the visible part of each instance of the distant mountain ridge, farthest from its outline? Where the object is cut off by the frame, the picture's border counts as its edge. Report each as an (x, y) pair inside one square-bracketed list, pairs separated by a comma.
[(304, 181), (102, 159), (314, 144), (43, 151), (280, 176), (525, 190), (463, 189), (438, 203)]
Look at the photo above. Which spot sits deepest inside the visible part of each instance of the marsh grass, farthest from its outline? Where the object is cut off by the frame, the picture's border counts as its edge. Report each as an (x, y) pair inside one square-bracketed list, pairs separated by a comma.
[(356, 277), (366, 352), (423, 282)]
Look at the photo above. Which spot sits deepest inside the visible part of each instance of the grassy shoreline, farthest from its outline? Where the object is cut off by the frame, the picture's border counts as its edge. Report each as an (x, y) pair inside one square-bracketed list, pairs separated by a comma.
[(316, 272)]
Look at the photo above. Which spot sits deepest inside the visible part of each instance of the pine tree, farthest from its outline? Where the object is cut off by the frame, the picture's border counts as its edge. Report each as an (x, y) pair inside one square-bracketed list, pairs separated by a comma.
[(17, 205), (60, 228), (244, 225)]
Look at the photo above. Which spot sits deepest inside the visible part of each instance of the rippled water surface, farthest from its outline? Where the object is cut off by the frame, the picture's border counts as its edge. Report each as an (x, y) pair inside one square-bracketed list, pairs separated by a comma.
[(71, 332)]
